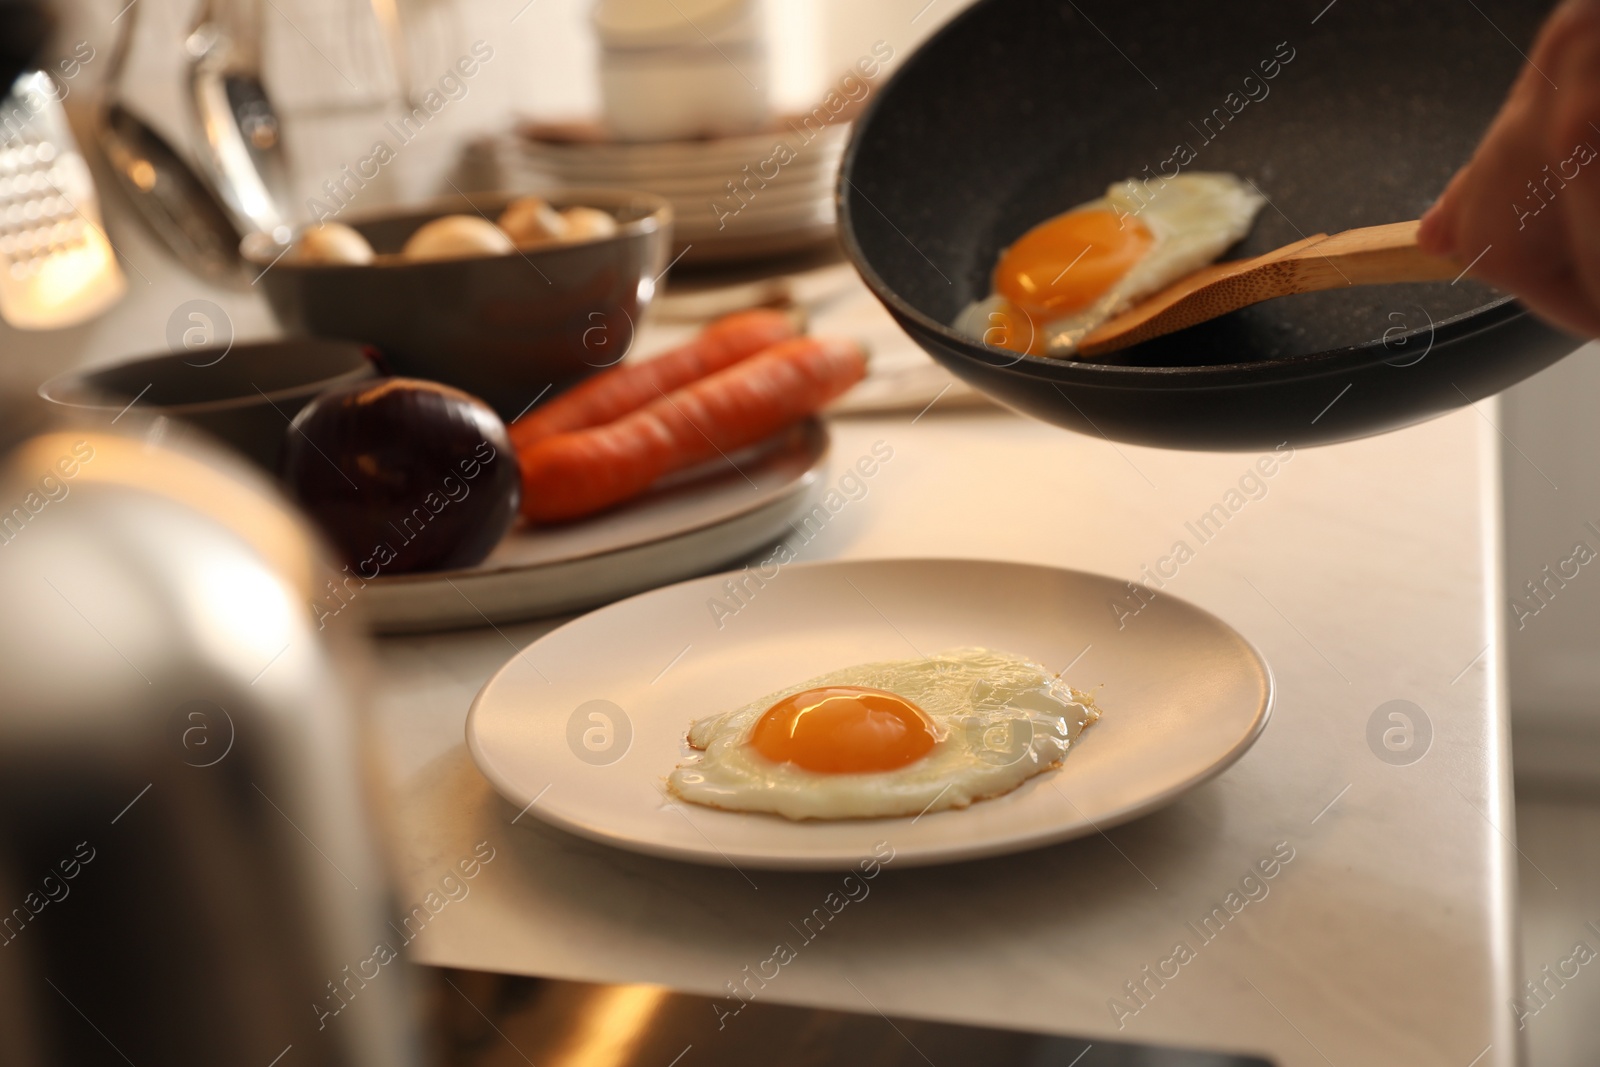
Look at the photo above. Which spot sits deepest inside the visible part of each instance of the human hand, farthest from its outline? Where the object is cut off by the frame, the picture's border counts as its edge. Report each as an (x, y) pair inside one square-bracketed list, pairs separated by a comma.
[(1528, 202)]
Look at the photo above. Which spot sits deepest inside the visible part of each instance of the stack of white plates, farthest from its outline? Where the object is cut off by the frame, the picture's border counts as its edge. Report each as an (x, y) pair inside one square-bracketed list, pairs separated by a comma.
[(743, 197)]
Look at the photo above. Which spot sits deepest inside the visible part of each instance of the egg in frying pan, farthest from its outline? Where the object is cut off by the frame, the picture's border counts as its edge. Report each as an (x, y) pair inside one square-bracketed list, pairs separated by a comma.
[(1072, 272)]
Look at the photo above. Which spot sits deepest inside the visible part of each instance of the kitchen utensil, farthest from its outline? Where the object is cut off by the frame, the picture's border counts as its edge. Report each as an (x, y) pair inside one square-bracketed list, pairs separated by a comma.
[(508, 328), (190, 856), (243, 395), (57, 266), (1182, 696), (1372, 255), (1017, 110), (236, 118), (704, 519), (175, 201)]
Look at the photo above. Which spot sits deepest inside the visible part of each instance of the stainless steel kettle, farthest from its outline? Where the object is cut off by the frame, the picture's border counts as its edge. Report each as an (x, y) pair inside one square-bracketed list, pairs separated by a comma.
[(188, 862)]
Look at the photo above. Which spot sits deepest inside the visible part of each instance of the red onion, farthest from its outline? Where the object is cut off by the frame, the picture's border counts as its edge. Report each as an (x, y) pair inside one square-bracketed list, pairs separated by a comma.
[(404, 475)]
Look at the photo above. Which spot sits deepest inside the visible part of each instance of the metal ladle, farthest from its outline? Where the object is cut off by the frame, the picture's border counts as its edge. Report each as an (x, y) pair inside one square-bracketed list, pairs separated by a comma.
[(175, 201), (236, 117)]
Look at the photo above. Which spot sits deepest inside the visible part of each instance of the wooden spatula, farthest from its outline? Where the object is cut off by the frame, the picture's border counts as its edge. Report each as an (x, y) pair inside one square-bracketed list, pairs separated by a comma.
[(1373, 255)]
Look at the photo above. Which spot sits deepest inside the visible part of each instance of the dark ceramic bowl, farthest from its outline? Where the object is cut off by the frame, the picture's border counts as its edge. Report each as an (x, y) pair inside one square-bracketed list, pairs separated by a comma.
[(244, 395), (507, 328), (1019, 109)]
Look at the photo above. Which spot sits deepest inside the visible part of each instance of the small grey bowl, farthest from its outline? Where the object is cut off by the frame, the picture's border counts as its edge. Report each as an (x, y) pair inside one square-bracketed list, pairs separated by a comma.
[(508, 328), (243, 395)]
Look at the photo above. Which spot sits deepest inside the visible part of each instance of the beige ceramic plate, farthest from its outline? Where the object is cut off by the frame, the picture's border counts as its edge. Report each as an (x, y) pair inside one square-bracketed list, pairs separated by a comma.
[(583, 725), (703, 519)]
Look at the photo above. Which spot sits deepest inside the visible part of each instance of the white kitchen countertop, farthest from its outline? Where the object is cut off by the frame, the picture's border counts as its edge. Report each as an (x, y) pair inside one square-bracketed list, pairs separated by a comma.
[(1367, 573)]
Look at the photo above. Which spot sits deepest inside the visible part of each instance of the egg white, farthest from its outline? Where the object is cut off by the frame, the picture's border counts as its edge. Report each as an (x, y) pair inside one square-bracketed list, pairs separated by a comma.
[(1000, 720), (1193, 219)]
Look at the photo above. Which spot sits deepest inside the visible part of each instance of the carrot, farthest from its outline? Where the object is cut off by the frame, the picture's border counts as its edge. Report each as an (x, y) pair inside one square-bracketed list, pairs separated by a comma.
[(613, 393), (571, 475)]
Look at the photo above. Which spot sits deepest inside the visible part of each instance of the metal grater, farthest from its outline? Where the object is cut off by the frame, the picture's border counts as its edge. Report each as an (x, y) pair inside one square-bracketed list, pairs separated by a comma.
[(57, 267)]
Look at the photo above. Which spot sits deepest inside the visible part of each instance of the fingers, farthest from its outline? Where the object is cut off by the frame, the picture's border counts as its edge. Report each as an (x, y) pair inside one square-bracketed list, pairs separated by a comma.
[(1437, 234), (1501, 222), (1525, 211), (1574, 140)]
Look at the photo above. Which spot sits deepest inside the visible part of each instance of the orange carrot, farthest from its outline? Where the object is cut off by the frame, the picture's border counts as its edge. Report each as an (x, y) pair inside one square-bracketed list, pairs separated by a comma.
[(575, 474), (613, 393)]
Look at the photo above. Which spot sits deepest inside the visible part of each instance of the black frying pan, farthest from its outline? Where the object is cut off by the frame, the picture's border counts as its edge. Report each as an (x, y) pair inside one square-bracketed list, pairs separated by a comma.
[(1020, 109)]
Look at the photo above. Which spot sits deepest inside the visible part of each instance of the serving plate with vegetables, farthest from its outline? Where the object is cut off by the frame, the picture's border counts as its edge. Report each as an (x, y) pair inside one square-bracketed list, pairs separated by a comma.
[(708, 519), (643, 474)]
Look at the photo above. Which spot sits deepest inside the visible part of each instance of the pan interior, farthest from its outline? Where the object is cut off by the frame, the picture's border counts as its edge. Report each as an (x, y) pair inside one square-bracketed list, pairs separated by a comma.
[(1343, 115)]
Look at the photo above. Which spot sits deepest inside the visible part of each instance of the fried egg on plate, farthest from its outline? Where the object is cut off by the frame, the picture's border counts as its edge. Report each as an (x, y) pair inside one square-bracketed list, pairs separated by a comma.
[(900, 737), (1070, 273)]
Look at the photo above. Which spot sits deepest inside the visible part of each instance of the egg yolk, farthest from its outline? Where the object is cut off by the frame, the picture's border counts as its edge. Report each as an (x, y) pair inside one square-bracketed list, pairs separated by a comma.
[(844, 729), (1066, 263)]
